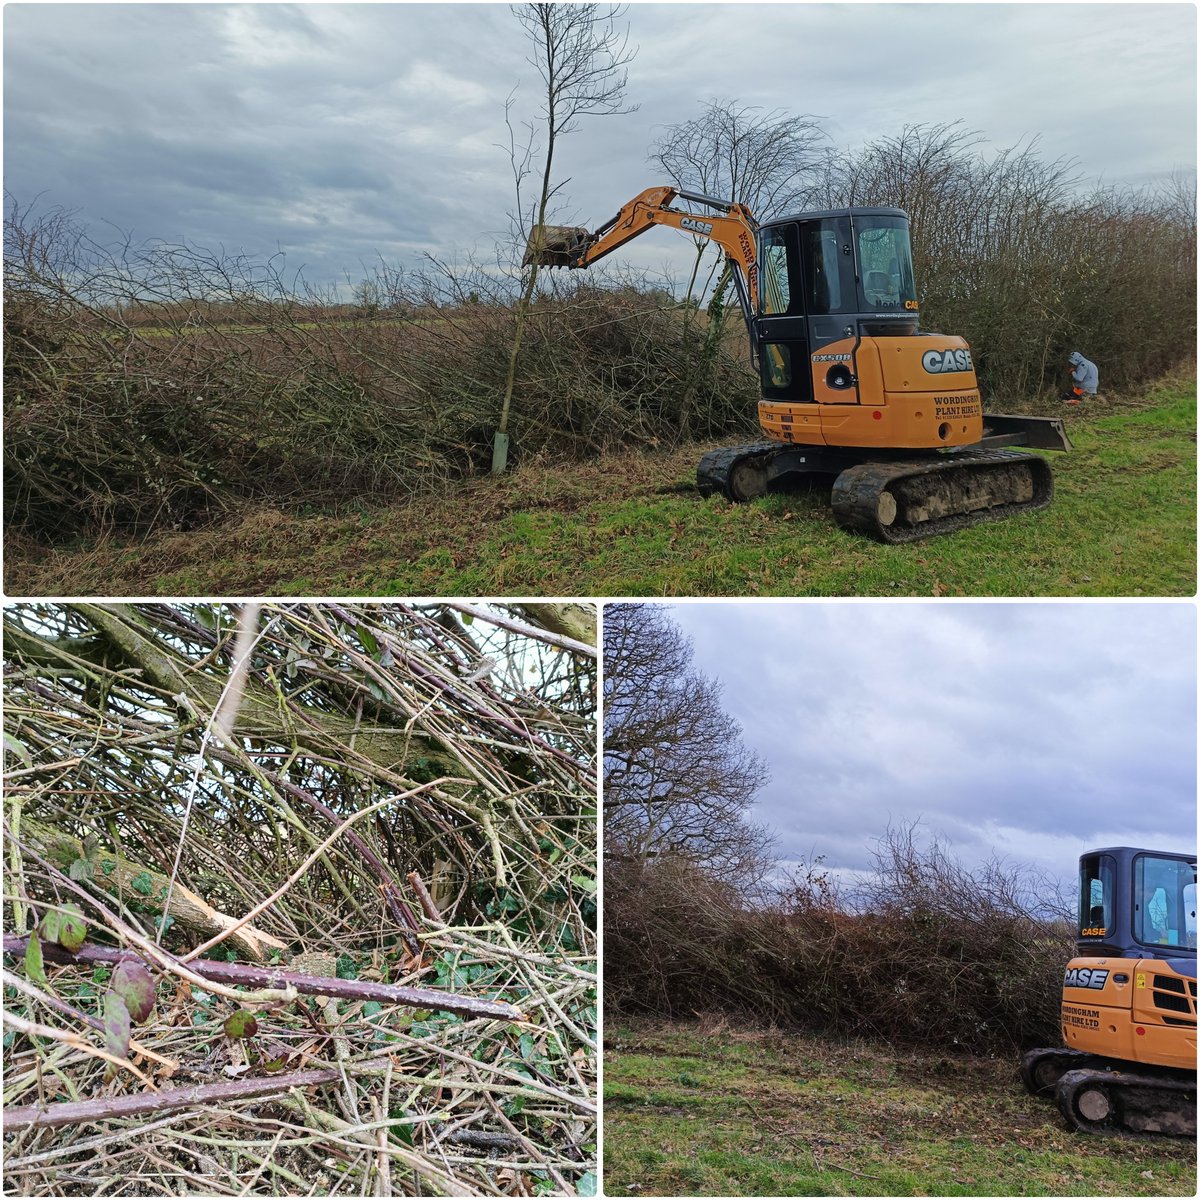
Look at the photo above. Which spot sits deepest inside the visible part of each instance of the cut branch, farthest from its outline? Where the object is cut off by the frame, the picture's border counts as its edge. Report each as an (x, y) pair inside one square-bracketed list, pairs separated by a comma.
[(234, 974)]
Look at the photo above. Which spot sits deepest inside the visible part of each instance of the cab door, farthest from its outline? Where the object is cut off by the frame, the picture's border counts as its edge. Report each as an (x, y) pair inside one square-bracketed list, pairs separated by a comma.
[(783, 342)]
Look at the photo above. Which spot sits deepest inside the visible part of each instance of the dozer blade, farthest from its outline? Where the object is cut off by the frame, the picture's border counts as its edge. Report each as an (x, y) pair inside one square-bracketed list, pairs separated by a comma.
[(1034, 433), (919, 498), (554, 246)]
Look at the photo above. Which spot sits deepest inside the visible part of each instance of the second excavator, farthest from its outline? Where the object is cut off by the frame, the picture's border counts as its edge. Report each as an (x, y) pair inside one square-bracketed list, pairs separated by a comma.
[(1128, 1059), (851, 387)]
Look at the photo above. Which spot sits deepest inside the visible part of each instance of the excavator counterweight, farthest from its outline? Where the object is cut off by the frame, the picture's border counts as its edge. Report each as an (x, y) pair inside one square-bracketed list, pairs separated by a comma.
[(851, 387)]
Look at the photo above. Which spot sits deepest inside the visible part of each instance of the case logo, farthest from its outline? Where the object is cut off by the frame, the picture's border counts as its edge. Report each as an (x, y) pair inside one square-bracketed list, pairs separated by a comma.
[(939, 362), (1086, 977)]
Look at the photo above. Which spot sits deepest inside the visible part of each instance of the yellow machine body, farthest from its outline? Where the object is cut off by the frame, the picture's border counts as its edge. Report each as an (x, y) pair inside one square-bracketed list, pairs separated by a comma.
[(1134, 1010), (879, 392)]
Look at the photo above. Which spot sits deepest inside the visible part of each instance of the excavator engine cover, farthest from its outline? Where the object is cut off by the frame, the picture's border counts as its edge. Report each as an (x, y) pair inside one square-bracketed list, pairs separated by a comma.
[(554, 245)]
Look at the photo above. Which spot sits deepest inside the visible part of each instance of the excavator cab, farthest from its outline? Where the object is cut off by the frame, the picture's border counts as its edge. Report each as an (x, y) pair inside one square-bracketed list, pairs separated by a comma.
[(1159, 918), (825, 277), (1129, 998)]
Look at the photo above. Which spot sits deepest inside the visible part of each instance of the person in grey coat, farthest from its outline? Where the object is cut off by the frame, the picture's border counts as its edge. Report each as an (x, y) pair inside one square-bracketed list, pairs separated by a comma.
[(1085, 378)]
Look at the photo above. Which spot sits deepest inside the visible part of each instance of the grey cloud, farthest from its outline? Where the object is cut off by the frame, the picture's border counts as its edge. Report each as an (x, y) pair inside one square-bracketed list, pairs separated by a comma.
[(334, 131), (1061, 725)]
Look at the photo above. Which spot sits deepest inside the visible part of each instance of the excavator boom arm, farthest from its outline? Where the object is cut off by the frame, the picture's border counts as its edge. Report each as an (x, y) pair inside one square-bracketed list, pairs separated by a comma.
[(732, 228)]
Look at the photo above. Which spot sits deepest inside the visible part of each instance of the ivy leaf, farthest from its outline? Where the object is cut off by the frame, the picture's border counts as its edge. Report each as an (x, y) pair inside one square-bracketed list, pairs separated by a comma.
[(241, 1024), (33, 961), (116, 1025), (135, 985), (585, 883), (587, 1184), (81, 869)]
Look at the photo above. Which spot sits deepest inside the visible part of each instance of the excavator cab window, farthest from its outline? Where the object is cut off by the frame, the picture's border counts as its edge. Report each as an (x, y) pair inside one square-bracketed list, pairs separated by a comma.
[(828, 266), (1097, 886), (885, 264), (774, 285), (1164, 902)]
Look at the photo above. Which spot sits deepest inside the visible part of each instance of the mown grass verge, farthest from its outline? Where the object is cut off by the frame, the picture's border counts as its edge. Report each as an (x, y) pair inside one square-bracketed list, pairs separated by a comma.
[(695, 1110), (1123, 522)]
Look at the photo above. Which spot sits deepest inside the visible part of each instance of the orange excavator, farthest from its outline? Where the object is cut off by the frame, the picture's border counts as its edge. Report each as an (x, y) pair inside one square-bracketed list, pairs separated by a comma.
[(851, 388), (1128, 1062)]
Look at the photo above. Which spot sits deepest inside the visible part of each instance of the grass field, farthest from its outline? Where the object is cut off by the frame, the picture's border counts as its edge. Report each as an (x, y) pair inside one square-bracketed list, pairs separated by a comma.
[(1123, 523), (693, 1110)]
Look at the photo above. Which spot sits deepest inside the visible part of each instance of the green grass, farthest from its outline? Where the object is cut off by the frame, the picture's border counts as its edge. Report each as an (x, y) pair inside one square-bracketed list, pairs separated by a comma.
[(733, 1113), (1123, 523)]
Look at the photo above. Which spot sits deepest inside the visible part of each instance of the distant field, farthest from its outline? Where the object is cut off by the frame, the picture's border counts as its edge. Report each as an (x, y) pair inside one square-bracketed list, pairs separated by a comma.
[(1123, 523), (730, 1113)]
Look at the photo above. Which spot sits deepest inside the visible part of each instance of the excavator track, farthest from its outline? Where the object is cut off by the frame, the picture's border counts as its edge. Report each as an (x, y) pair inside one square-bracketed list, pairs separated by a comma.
[(1095, 1100), (1042, 1069), (739, 473), (924, 497), (891, 500)]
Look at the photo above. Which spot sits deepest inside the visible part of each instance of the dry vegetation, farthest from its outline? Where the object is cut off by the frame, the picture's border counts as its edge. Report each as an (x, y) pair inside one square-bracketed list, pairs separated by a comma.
[(926, 953), (398, 798)]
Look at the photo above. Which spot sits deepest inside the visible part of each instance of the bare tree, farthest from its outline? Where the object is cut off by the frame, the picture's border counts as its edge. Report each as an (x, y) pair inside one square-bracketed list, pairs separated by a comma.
[(677, 778), (765, 160), (581, 58)]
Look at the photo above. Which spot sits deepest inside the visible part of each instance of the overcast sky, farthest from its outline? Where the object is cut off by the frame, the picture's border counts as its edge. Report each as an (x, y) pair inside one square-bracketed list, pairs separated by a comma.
[(341, 133), (1034, 730)]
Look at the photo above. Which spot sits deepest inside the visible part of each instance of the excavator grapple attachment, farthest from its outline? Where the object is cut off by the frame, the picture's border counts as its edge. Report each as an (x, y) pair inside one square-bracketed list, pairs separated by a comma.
[(554, 246)]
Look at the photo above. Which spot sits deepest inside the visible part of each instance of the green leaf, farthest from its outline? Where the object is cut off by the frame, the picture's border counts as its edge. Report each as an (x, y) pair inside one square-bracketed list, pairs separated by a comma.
[(49, 925), (116, 1025), (368, 640), (241, 1024), (142, 884), (371, 1008), (12, 746), (135, 985), (33, 961), (72, 928), (585, 883), (587, 1184)]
